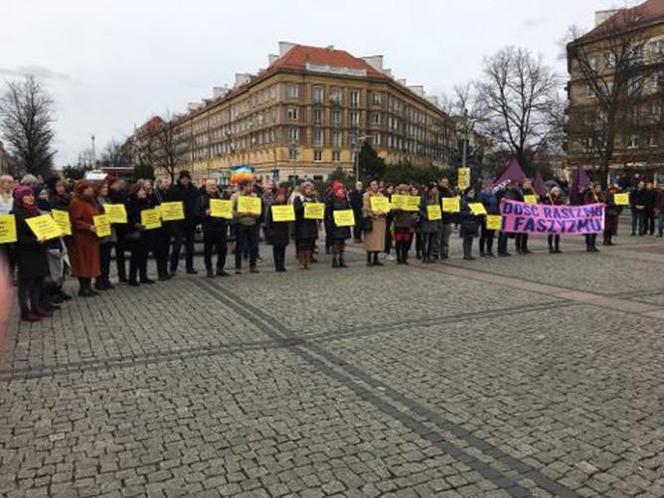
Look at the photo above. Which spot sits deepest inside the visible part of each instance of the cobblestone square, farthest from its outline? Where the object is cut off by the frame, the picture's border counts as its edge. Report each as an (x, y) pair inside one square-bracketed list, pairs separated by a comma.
[(525, 376)]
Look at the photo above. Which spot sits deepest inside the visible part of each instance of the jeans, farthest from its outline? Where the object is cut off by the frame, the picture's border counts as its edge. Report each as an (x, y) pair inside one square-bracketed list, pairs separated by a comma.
[(430, 240), (637, 221), (502, 243), (246, 236), (214, 241), (30, 293), (445, 240), (184, 233), (660, 223), (649, 222)]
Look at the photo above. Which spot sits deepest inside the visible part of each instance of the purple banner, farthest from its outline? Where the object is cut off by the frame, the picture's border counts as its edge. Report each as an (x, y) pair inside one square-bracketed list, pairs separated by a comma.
[(519, 217)]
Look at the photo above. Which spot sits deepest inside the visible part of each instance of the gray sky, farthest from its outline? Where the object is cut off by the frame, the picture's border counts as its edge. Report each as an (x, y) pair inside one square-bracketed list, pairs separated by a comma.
[(111, 64)]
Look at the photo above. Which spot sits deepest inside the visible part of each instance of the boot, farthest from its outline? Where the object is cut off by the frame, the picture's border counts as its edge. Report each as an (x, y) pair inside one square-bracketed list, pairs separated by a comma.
[(335, 263), (376, 262), (210, 273), (29, 316), (341, 261)]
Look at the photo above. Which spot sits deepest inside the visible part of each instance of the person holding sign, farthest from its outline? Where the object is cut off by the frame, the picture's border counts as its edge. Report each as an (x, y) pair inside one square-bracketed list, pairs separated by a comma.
[(162, 235), (306, 230), (184, 230), (85, 260), (527, 194), (470, 223), (138, 238), (31, 257), (374, 223), (554, 198), (277, 233), (488, 198), (246, 225), (103, 282), (510, 192), (6, 206), (611, 215), (592, 195), (431, 220), (338, 201), (214, 231), (404, 221), (59, 199), (445, 192)]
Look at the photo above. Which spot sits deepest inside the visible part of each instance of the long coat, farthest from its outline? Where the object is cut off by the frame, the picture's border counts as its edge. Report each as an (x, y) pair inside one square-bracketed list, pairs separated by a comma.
[(374, 241), (304, 229), (335, 204), (85, 243), (31, 256)]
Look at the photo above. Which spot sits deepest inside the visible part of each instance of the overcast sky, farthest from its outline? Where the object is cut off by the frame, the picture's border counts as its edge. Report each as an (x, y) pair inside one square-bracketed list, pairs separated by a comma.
[(111, 64)]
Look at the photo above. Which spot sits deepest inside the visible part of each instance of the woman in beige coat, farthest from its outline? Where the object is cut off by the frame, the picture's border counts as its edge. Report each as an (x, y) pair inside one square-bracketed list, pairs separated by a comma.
[(374, 239)]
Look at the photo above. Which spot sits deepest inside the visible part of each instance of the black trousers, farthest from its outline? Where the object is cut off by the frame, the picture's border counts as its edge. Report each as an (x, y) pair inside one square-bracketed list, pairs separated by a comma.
[(7, 254), (246, 236), (184, 234), (428, 246), (105, 261), (279, 255), (30, 293), (120, 249), (214, 241), (486, 239), (502, 242), (521, 242), (162, 245), (649, 222), (138, 264), (357, 229), (591, 240), (554, 242), (468, 246)]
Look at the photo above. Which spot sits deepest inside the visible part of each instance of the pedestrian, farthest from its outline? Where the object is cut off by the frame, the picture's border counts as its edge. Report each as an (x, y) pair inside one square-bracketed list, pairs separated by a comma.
[(6, 207), (611, 215), (374, 223), (659, 209), (277, 233), (338, 201), (521, 239), (185, 230), (306, 230), (85, 260), (470, 224), (444, 191), (162, 236), (106, 244), (31, 257), (59, 198), (649, 200), (431, 228), (554, 198), (246, 227), (117, 192), (637, 201), (592, 195), (355, 200), (404, 227), (138, 238), (214, 231), (389, 219), (511, 193), (488, 199)]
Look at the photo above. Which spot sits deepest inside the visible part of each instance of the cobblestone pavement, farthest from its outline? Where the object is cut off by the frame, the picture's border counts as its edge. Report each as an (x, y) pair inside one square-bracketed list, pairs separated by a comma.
[(524, 376)]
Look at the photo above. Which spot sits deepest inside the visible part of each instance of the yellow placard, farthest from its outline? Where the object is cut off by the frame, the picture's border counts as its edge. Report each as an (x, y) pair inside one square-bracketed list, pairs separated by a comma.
[(249, 205), (283, 213), (477, 208), (7, 229), (621, 199), (44, 227), (344, 218), (172, 211), (102, 225), (434, 213), (530, 199), (451, 204), (116, 213), (494, 222), (379, 204), (464, 178), (151, 218), (314, 210), (406, 202), (63, 221), (221, 208)]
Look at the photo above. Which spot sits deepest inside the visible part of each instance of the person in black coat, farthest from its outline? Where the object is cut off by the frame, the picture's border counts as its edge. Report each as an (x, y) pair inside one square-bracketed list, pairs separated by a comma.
[(306, 231), (338, 235), (355, 200), (521, 239), (31, 257), (117, 193), (214, 231), (511, 193), (649, 201), (470, 224), (637, 203), (137, 237), (277, 233), (162, 236), (185, 230)]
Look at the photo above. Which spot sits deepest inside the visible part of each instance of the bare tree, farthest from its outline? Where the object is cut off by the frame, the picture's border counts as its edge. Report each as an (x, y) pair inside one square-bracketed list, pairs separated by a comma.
[(167, 144), (26, 118), (463, 107), (115, 155), (609, 64), (515, 97)]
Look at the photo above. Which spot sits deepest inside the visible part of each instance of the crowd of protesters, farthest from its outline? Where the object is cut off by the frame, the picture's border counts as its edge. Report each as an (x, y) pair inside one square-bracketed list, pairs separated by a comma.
[(41, 265)]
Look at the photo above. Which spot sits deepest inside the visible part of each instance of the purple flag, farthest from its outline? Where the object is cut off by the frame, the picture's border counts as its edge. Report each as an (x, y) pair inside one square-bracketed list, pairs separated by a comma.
[(580, 181), (513, 173), (539, 187)]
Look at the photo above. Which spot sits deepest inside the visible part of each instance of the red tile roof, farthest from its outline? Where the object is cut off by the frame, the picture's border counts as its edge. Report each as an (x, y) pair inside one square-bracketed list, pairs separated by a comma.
[(299, 55), (648, 11)]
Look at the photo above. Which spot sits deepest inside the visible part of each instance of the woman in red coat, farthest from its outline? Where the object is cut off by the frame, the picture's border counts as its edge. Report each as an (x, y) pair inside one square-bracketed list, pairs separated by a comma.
[(85, 243)]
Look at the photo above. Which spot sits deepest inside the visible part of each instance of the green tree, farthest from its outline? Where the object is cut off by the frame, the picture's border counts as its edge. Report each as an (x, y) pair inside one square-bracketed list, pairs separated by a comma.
[(143, 171), (75, 171), (371, 165)]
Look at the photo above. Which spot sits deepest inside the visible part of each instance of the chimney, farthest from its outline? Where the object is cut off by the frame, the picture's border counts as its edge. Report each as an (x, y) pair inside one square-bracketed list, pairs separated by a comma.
[(219, 91), (603, 15), (375, 61), (417, 89), (242, 79), (285, 47), (401, 81), (330, 47), (272, 58), (192, 106), (388, 72)]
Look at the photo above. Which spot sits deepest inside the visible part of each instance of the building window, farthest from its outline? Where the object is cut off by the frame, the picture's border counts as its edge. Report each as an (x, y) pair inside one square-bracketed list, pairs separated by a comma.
[(633, 142), (592, 62), (294, 135), (318, 95), (375, 118), (336, 118), (375, 99), (293, 113), (657, 49), (336, 138), (293, 154), (610, 60), (354, 99), (336, 96), (652, 142), (318, 156), (318, 116), (318, 137), (336, 156), (376, 139), (354, 119), (293, 91), (590, 89)]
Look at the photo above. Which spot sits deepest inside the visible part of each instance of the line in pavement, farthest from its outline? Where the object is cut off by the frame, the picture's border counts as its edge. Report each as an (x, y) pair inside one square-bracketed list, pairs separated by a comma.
[(356, 380)]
